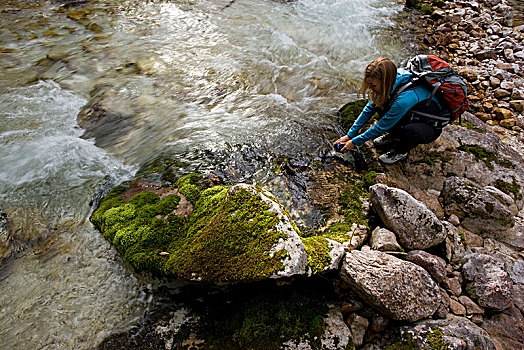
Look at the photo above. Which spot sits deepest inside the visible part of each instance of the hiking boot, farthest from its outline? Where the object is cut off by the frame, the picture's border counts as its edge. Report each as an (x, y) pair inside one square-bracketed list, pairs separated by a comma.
[(384, 141), (392, 157)]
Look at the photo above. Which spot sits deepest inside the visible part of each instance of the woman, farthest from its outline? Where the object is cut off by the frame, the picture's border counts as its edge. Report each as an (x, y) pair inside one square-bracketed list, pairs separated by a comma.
[(395, 101)]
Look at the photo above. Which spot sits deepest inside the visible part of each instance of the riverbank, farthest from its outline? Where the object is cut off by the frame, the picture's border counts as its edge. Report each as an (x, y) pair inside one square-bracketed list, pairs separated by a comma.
[(484, 42)]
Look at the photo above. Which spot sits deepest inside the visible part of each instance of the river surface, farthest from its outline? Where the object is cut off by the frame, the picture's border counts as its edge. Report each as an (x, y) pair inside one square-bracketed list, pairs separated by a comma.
[(220, 85)]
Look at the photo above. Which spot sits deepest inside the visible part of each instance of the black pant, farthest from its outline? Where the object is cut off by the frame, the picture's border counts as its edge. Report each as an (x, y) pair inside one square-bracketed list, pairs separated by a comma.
[(412, 134)]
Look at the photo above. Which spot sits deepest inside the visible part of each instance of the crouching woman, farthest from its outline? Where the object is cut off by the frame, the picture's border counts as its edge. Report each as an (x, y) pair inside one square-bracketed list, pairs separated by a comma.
[(395, 99)]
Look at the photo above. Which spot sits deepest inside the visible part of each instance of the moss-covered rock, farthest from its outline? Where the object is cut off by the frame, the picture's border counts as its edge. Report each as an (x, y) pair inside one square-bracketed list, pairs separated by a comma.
[(235, 233), (350, 112)]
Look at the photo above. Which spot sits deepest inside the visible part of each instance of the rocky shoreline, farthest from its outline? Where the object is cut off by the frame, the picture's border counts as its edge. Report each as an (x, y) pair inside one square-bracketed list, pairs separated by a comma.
[(484, 42)]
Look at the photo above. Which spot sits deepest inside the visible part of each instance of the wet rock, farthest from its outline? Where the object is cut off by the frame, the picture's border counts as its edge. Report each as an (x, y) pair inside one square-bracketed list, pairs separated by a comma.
[(478, 209), (106, 117), (399, 289), (435, 265), (384, 240), (487, 282), (6, 236), (451, 333), (416, 226)]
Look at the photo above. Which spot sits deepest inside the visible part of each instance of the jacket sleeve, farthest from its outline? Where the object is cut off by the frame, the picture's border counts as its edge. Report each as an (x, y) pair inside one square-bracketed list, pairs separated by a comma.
[(402, 104)]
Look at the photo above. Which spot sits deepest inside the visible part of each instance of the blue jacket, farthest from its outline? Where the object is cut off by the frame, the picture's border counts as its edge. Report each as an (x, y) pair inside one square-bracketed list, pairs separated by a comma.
[(401, 105)]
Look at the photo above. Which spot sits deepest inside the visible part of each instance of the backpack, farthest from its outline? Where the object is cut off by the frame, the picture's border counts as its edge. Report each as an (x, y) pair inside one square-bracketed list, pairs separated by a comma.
[(445, 84)]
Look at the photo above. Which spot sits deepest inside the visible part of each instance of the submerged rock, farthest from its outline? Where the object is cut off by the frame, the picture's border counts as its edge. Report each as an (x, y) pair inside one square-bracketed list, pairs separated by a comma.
[(399, 289)]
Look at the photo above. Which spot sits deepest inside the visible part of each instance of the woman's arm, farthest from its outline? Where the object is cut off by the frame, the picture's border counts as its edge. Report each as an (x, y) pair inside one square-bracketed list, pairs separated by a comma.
[(402, 104), (362, 119)]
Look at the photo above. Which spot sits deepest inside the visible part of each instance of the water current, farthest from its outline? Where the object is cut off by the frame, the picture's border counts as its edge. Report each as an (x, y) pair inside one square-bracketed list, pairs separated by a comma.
[(218, 84)]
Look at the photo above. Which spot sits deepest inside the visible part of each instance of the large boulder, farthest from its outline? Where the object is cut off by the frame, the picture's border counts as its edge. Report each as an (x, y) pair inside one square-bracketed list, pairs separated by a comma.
[(229, 234), (485, 211), (487, 282), (397, 288), (454, 333), (416, 226), (471, 151)]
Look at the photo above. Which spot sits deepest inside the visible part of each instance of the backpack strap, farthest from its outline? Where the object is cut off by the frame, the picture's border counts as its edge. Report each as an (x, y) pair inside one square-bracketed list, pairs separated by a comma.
[(399, 89)]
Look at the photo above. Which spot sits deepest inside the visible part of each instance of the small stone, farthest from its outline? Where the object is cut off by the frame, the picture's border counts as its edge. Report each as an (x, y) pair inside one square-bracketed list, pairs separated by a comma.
[(379, 323), (470, 305), (508, 123), (456, 308), (518, 94), (477, 318), (503, 113), (517, 105), (358, 326), (453, 285), (501, 93), (494, 82), (454, 220), (384, 240)]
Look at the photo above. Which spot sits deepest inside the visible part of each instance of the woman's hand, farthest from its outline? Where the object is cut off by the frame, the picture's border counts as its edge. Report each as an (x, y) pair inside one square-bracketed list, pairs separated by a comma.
[(348, 144), (343, 139), (348, 147)]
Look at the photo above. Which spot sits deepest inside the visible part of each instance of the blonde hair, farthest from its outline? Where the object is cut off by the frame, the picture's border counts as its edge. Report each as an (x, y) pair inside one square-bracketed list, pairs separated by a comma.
[(383, 70)]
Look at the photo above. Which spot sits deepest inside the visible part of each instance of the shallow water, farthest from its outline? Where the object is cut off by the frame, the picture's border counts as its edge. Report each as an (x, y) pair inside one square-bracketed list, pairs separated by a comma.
[(228, 86)]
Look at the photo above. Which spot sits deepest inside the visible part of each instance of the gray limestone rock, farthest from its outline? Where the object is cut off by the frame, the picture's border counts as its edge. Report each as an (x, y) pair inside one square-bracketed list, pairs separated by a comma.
[(454, 333), (435, 265), (416, 226), (480, 210), (397, 288), (487, 282)]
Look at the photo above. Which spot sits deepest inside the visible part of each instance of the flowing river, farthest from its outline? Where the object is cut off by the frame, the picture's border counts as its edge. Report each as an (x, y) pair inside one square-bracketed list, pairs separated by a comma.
[(229, 86)]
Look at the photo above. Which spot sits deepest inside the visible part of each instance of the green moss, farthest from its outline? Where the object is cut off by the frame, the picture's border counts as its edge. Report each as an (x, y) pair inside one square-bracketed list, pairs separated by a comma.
[(350, 112), (462, 236), (190, 187), (487, 157), (512, 189), (427, 9), (317, 250), (431, 158), (370, 178), (469, 125), (351, 204), (227, 239), (433, 340), (265, 321)]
